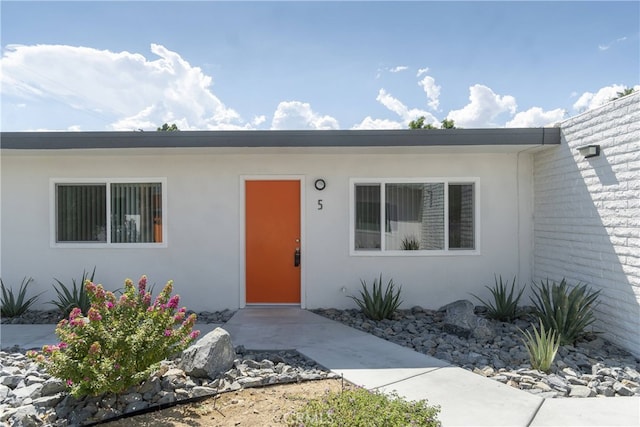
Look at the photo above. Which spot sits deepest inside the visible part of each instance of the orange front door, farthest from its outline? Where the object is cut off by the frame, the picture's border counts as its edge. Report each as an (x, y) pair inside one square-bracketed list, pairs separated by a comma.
[(272, 239)]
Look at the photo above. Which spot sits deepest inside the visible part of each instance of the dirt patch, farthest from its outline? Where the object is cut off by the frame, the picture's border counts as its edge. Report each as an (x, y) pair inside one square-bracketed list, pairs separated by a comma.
[(265, 407)]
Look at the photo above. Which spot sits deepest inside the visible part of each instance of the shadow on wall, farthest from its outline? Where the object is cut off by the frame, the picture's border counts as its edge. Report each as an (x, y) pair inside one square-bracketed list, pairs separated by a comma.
[(603, 170), (586, 226)]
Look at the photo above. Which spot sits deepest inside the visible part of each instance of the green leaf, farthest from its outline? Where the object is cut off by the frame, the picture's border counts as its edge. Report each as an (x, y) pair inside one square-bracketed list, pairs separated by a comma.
[(11, 305), (378, 305), (542, 346), (75, 296), (568, 310), (505, 305)]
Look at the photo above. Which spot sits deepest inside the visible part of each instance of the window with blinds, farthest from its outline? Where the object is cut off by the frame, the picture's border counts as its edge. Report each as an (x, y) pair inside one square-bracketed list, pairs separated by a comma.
[(413, 216), (110, 212), (81, 213)]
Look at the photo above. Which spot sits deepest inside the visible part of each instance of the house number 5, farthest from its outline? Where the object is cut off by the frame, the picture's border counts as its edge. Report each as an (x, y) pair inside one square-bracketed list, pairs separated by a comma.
[(320, 204)]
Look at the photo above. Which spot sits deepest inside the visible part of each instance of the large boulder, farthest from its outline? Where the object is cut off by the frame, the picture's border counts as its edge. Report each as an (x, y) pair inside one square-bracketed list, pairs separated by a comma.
[(210, 356), (460, 320)]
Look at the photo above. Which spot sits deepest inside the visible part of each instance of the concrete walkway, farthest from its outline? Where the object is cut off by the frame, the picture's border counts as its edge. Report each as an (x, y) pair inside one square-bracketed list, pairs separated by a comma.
[(466, 399)]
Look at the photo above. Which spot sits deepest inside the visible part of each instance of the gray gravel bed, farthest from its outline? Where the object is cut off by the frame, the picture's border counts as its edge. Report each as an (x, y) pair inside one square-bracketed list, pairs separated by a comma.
[(593, 367), (31, 397)]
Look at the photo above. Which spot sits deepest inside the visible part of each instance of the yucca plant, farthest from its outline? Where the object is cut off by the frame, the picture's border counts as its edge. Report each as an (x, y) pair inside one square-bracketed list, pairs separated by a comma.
[(542, 346), (505, 305), (71, 297), (378, 305), (12, 305), (568, 310)]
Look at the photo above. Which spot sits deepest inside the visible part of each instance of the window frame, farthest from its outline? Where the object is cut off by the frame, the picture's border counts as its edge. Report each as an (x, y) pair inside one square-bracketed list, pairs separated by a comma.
[(53, 182), (475, 181)]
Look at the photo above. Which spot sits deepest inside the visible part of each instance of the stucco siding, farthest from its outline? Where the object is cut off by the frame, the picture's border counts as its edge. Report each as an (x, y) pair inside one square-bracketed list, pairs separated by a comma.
[(204, 223), (587, 214)]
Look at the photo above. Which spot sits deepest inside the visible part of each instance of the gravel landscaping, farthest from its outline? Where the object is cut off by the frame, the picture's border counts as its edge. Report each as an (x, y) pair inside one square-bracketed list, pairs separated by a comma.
[(30, 397), (593, 367)]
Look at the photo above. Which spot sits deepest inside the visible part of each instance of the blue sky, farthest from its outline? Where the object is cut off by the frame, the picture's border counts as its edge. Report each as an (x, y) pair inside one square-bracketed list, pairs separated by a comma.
[(311, 65)]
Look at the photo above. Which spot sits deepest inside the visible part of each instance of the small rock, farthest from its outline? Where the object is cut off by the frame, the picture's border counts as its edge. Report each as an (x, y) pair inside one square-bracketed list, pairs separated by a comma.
[(250, 382), (131, 398), (209, 356), (605, 391), (200, 391), (29, 392), (581, 391), (542, 386), (152, 385), (136, 406), (632, 374), (11, 381), (52, 386), (167, 397), (47, 401), (622, 390), (595, 344), (25, 416), (576, 381)]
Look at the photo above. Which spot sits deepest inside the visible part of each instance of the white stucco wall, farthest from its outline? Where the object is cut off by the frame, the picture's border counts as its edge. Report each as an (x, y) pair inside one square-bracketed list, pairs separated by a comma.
[(203, 254), (587, 214)]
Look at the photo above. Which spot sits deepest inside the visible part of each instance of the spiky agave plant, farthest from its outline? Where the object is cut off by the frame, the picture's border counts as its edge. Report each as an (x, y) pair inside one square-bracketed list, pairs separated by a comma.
[(505, 304), (378, 305), (568, 310), (542, 346), (73, 296), (15, 305)]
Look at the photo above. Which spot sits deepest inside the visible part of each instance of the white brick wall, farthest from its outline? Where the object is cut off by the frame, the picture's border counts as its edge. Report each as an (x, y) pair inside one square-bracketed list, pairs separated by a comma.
[(587, 214)]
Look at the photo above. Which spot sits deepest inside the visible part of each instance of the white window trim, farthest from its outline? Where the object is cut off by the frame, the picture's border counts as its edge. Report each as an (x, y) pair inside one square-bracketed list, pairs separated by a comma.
[(107, 181), (419, 253)]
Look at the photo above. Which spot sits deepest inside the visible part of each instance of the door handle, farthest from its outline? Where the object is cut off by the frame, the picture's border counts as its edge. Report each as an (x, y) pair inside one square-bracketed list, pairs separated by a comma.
[(296, 258)]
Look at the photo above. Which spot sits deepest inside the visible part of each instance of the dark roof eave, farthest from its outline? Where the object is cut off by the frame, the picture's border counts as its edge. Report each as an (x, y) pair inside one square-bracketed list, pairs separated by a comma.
[(288, 138)]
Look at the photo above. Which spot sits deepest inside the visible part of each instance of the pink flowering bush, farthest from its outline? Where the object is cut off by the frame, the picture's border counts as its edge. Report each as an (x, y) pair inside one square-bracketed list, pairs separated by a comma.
[(121, 340)]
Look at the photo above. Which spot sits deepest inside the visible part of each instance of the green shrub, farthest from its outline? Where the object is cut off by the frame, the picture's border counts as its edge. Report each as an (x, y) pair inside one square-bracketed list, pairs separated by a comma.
[(505, 305), (542, 347), (359, 407), (565, 309), (11, 305), (378, 305), (70, 298), (121, 340)]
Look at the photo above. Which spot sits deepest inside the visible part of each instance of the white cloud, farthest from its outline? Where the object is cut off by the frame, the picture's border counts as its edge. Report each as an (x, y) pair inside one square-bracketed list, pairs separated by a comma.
[(536, 117), (607, 46), (406, 114), (398, 69), (299, 115), (422, 71), (588, 100), (432, 90), (484, 107), (127, 89), (370, 123), (258, 120)]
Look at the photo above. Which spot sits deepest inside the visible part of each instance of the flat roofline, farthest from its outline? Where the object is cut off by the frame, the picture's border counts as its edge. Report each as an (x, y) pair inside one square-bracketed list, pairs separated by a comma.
[(277, 138)]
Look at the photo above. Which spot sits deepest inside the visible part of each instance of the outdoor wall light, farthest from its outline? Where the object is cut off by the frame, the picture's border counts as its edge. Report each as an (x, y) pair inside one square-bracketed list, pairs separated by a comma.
[(320, 184), (589, 151)]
